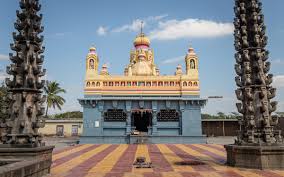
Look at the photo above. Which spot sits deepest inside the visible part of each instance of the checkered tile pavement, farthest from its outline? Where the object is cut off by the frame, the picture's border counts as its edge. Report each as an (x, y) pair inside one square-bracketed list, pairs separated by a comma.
[(108, 160)]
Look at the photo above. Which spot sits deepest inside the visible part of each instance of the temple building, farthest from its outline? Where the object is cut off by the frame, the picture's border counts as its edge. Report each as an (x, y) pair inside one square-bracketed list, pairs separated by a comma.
[(142, 105)]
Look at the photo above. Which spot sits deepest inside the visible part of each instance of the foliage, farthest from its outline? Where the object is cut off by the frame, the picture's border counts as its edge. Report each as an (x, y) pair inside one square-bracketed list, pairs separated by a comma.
[(68, 115), (221, 115), (52, 90)]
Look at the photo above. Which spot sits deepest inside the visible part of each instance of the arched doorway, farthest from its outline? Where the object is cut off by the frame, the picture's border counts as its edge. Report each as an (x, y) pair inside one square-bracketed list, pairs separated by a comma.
[(141, 120)]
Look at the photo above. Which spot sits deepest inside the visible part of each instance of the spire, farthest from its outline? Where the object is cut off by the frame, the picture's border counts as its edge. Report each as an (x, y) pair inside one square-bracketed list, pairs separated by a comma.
[(141, 28), (24, 97), (253, 79)]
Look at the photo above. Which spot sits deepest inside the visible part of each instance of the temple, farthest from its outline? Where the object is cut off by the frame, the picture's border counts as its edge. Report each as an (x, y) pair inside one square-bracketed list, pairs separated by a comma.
[(142, 105)]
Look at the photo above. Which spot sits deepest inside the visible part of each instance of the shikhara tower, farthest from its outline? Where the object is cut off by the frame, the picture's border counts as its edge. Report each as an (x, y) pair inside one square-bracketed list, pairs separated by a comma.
[(142, 105), (24, 114), (259, 143)]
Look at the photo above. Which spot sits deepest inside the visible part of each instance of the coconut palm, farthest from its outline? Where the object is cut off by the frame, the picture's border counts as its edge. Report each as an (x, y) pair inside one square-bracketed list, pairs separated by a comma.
[(52, 90)]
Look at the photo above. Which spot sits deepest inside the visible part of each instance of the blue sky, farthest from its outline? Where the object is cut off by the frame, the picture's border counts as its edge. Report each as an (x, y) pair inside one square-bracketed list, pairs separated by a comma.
[(72, 26)]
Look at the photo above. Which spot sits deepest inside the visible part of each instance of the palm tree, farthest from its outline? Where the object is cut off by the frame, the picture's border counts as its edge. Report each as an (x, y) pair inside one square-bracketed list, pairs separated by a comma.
[(52, 89)]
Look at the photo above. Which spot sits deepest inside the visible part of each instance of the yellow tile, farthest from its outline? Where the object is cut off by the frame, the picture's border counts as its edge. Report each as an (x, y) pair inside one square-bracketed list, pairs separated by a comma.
[(71, 151), (218, 145), (210, 174), (62, 169), (110, 160), (279, 172), (215, 151), (133, 175), (171, 174), (142, 151), (203, 157), (172, 158), (247, 173)]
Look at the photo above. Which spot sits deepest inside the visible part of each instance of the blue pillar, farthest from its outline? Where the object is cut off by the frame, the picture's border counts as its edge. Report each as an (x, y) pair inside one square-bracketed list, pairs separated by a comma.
[(154, 122), (128, 123)]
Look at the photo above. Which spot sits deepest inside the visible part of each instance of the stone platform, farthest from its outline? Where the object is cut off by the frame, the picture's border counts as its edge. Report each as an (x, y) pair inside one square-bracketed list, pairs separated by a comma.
[(149, 139), (25, 161), (258, 157), (116, 160)]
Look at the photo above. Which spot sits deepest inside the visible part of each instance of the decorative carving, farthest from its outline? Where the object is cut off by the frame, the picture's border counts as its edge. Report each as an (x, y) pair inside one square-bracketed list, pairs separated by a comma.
[(25, 101), (253, 80)]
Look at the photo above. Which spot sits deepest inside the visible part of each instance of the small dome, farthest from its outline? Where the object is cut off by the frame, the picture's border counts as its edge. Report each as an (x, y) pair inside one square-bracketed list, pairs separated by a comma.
[(191, 51), (92, 49), (142, 40)]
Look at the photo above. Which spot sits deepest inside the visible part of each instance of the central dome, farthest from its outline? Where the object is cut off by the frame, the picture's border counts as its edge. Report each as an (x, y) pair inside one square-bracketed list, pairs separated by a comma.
[(141, 39)]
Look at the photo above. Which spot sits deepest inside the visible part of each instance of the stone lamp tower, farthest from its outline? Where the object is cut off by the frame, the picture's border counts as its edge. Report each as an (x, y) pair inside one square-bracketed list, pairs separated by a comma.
[(19, 136), (259, 143)]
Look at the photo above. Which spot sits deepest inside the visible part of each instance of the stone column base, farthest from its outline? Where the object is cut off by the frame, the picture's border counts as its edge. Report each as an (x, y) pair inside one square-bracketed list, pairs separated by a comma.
[(24, 156), (256, 157)]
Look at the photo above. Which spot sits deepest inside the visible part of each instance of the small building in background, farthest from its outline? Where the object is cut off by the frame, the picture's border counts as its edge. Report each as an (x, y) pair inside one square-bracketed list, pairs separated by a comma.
[(62, 127)]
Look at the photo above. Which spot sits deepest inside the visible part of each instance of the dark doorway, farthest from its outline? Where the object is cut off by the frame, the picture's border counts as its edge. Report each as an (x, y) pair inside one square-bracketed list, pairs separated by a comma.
[(142, 120)]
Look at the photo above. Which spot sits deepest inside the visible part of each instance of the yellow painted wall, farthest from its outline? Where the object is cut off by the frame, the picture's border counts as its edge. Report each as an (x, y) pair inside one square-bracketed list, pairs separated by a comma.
[(50, 127)]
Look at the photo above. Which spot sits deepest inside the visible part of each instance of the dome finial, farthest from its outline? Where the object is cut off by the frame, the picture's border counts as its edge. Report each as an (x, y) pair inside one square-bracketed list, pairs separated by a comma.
[(141, 28)]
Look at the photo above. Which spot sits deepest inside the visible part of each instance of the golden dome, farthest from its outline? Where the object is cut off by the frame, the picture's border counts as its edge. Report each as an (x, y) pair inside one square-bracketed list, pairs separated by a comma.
[(92, 49), (141, 39)]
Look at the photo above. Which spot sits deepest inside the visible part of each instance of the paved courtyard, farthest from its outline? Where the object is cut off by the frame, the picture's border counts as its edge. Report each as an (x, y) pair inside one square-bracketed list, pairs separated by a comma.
[(117, 161)]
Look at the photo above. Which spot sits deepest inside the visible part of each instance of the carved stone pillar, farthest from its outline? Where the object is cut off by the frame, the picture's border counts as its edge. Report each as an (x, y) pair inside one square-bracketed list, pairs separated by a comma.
[(128, 122), (155, 123)]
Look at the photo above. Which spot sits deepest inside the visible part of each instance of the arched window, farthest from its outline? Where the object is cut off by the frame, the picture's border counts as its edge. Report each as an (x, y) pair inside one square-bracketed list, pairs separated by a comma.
[(184, 84), (93, 84), (195, 84), (154, 83), (166, 83), (122, 84), (91, 64), (160, 83), (116, 83), (110, 84), (98, 84), (88, 84), (105, 83), (128, 83), (148, 84), (192, 64), (190, 84), (178, 83), (134, 83), (172, 84)]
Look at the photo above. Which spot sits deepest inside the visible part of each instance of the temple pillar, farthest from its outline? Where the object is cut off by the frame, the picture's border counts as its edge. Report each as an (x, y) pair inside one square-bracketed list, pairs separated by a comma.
[(128, 122), (155, 123)]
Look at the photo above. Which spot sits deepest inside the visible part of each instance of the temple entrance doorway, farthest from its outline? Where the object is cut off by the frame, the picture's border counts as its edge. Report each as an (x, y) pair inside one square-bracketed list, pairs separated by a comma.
[(142, 120)]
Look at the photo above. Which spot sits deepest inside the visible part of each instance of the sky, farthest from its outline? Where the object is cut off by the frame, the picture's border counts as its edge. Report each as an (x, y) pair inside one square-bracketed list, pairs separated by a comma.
[(72, 26)]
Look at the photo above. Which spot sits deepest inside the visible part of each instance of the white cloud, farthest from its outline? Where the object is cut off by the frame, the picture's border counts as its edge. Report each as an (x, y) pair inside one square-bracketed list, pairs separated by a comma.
[(190, 28), (136, 24), (4, 57), (101, 31), (156, 18), (173, 60), (3, 75), (62, 34), (278, 81)]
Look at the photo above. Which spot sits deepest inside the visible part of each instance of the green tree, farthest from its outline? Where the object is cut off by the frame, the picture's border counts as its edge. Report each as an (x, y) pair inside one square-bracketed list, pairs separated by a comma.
[(69, 115), (52, 90), (221, 115)]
